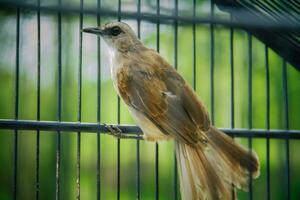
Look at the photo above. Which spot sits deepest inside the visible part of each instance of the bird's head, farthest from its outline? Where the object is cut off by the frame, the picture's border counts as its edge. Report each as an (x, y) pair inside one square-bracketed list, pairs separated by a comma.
[(117, 35)]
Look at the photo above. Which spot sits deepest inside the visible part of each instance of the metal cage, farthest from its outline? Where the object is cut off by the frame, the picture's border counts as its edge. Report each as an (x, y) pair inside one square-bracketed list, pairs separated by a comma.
[(275, 23)]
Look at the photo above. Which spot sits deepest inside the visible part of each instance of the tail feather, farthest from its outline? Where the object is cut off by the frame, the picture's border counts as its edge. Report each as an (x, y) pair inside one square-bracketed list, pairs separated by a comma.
[(209, 170), (234, 152)]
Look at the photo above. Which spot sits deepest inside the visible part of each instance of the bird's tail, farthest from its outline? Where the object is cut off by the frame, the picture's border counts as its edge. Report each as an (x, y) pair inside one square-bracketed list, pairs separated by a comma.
[(210, 170)]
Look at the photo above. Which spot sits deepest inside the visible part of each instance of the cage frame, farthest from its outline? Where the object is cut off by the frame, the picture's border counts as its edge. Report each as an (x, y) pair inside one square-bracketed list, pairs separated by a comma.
[(135, 132)]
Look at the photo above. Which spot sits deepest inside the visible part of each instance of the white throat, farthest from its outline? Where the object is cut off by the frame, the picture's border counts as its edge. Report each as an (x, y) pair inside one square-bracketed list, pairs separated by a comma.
[(115, 64)]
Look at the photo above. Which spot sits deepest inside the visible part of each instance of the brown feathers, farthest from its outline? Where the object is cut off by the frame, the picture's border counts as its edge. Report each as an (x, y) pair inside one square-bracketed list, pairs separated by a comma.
[(210, 162), (165, 106), (160, 93), (209, 172), (235, 154)]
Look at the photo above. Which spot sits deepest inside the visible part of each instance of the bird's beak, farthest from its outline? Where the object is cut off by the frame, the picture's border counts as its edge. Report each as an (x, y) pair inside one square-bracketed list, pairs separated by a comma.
[(93, 30)]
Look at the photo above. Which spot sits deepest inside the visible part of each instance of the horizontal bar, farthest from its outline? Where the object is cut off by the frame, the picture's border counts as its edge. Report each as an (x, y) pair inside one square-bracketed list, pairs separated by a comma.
[(63, 126), (10, 124), (282, 25)]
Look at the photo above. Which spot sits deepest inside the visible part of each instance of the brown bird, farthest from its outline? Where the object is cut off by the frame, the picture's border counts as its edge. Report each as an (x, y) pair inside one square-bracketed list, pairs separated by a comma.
[(166, 107)]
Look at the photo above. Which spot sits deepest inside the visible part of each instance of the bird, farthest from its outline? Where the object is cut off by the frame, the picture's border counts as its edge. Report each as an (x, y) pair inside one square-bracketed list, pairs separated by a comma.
[(211, 164)]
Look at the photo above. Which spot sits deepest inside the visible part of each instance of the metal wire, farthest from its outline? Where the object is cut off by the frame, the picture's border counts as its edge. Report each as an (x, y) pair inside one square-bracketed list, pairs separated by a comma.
[(268, 121), (15, 170), (286, 126), (98, 105), (38, 114), (59, 95), (176, 67), (250, 106), (212, 65), (138, 167), (119, 120), (232, 100), (131, 130), (194, 47), (156, 144), (79, 102), (231, 36)]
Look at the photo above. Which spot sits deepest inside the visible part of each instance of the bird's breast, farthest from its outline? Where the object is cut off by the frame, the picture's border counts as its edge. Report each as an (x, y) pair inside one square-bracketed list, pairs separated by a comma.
[(115, 65)]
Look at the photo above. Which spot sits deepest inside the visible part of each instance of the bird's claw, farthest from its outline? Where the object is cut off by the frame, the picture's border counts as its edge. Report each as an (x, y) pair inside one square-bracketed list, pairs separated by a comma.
[(115, 131)]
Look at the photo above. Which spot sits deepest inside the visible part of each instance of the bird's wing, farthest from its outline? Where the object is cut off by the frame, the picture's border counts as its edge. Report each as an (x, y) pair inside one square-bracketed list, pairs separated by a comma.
[(161, 94)]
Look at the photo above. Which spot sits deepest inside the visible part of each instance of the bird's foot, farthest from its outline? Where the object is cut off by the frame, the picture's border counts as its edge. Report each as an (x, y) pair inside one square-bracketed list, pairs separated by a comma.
[(116, 132)]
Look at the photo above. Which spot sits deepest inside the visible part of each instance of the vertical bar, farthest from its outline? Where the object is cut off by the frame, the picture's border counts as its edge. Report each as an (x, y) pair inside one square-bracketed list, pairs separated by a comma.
[(38, 115), (138, 185), (212, 62), (268, 120), (158, 25), (194, 46), (98, 103), (231, 76), (58, 138), (250, 105), (157, 171), (175, 65), (286, 124), (156, 144), (231, 36), (176, 36), (79, 102), (118, 116), (15, 169)]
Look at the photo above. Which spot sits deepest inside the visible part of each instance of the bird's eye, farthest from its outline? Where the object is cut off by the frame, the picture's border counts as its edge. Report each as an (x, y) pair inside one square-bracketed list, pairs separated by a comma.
[(115, 31)]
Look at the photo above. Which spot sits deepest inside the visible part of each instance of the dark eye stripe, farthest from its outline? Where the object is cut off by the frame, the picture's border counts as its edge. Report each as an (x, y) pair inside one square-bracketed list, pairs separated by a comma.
[(115, 31)]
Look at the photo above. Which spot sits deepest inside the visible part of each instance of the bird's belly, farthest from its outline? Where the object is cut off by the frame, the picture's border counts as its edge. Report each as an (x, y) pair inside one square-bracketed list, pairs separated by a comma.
[(151, 132)]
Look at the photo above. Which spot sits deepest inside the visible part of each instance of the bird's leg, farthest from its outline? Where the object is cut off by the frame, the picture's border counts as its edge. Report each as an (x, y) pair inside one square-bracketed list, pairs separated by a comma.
[(116, 132)]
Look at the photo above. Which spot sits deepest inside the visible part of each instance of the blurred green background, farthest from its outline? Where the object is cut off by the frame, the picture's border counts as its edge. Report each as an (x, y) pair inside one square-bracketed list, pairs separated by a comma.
[(70, 63)]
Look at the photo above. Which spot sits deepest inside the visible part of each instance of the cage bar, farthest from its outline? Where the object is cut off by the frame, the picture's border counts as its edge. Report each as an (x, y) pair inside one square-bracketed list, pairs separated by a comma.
[(79, 103), (286, 126), (212, 64), (131, 131), (138, 167), (156, 144), (59, 95), (98, 105), (250, 106), (15, 167), (119, 120), (194, 47), (134, 132), (38, 114), (176, 67), (268, 121), (156, 171), (231, 36)]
